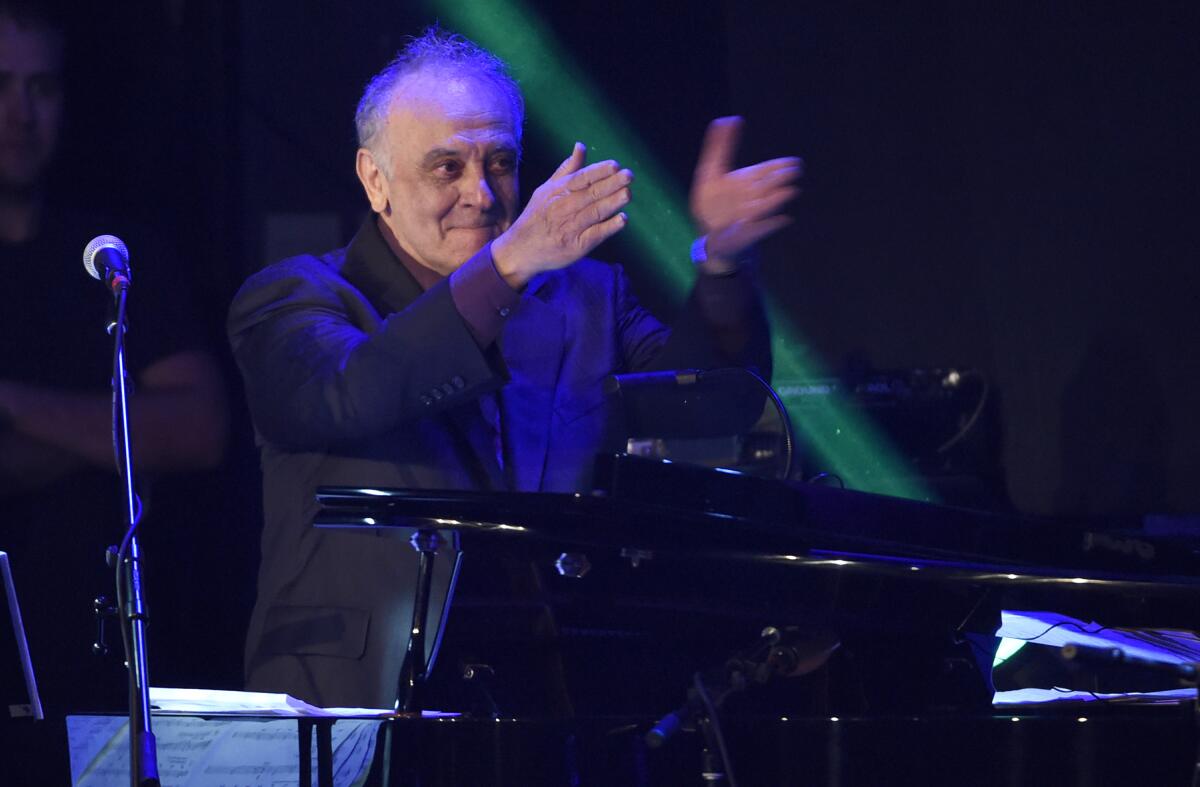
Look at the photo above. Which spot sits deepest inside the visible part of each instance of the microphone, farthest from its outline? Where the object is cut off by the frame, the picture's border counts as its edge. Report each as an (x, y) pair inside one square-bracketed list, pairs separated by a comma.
[(802, 654), (666, 727), (619, 383), (105, 258), (745, 663)]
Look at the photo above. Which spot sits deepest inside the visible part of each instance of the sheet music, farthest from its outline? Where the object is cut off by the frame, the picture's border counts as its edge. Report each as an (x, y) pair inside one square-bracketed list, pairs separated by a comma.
[(214, 702), (1172, 646), (1053, 629), (220, 752), (217, 702), (1017, 697)]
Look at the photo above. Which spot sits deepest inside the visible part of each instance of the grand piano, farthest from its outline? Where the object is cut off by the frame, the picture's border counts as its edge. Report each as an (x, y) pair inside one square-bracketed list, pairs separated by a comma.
[(615, 600)]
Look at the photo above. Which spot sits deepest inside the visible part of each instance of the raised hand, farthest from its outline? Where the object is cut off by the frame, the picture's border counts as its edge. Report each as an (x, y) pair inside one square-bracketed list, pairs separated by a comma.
[(737, 208), (566, 217)]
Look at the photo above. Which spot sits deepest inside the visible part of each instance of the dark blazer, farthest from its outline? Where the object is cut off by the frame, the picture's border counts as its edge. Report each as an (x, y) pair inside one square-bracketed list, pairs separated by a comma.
[(355, 377)]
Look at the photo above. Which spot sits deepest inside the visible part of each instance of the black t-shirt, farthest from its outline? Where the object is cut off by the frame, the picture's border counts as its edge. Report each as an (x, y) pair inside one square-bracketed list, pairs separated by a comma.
[(52, 333), (54, 315)]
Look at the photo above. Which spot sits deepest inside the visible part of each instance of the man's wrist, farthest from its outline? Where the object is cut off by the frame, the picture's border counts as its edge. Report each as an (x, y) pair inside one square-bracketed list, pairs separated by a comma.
[(482, 296), (509, 268), (709, 265)]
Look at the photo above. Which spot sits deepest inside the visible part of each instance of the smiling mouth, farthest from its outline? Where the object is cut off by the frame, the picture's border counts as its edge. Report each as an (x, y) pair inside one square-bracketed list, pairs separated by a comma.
[(490, 229)]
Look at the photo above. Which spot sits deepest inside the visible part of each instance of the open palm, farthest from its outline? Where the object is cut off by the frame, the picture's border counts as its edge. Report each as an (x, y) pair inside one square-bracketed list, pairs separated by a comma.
[(736, 208)]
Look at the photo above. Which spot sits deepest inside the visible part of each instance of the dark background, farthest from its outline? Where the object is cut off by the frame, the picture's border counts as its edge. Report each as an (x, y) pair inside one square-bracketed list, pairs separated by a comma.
[(1005, 187)]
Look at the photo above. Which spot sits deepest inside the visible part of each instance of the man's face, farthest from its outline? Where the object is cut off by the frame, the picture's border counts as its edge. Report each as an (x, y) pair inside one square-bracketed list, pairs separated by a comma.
[(451, 185), (30, 102)]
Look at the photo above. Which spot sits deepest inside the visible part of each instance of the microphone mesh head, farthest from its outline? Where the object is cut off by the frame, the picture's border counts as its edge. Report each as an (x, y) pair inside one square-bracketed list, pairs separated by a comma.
[(102, 242)]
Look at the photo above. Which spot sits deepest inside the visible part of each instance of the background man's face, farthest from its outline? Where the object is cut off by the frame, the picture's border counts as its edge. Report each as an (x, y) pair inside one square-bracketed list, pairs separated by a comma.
[(30, 102), (452, 184)]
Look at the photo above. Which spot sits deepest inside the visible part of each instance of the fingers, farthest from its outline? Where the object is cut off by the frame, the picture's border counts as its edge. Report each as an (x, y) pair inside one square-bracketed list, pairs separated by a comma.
[(596, 206), (596, 174), (597, 192), (615, 184), (738, 207), (778, 170), (596, 234), (602, 209), (565, 218), (743, 234), (719, 147), (757, 230), (767, 204), (755, 192), (573, 162)]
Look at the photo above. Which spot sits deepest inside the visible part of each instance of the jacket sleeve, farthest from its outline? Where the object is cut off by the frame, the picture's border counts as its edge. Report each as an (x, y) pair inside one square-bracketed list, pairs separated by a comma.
[(722, 324), (321, 366)]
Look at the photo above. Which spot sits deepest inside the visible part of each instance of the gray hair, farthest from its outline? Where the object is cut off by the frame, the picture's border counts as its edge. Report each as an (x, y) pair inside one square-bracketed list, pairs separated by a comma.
[(433, 49)]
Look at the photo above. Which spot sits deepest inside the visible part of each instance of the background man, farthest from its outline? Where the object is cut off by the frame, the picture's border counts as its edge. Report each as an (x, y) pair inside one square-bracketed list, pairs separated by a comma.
[(456, 343), (59, 500)]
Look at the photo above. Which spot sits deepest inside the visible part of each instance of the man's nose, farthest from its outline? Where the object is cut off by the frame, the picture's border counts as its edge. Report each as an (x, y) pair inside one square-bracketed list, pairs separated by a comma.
[(479, 193), (17, 102)]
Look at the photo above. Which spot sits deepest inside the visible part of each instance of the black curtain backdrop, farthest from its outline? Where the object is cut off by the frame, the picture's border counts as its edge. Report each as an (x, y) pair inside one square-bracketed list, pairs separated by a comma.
[(1010, 189)]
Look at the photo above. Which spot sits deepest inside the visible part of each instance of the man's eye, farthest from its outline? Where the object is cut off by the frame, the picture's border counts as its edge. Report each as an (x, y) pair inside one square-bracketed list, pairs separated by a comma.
[(503, 164), (46, 86), (450, 167)]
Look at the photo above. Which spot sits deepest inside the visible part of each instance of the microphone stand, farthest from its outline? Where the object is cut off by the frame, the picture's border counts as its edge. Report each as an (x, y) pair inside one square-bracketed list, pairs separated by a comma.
[(769, 658), (143, 755)]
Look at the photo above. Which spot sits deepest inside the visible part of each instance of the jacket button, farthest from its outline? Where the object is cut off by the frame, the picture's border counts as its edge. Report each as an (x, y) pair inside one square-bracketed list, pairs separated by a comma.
[(504, 310), (436, 393), (425, 400), (458, 382)]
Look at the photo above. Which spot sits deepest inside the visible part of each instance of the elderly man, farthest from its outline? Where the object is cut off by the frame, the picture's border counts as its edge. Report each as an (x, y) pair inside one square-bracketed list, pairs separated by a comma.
[(456, 343)]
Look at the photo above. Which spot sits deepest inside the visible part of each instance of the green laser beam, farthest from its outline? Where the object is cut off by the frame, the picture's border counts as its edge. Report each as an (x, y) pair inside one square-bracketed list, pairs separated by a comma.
[(562, 101), (846, 442)]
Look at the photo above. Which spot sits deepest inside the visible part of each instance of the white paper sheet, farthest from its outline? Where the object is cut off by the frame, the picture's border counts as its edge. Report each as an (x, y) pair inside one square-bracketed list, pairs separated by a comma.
[(1019, 697), (1053, 629), (214, 702), (215, 752), (1171, 646)]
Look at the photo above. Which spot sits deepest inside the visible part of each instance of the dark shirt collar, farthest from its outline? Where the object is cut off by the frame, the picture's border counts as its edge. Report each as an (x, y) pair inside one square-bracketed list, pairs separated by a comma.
[(370, 266), (425, 276)]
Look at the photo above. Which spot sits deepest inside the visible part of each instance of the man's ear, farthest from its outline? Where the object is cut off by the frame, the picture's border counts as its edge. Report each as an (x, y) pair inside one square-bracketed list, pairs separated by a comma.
[(373, 179)]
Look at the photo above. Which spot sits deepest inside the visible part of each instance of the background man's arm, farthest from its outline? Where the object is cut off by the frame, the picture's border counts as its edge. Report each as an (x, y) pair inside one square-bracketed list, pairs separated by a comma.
[(179, 421)]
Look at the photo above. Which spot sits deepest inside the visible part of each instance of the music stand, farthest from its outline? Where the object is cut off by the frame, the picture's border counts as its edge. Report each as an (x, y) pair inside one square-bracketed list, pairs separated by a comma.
[(17, 683), (708, 417)]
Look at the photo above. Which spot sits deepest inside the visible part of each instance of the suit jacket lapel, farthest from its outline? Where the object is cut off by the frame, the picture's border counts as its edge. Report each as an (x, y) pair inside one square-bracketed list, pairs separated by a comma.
[(372, 268), (532, 343)]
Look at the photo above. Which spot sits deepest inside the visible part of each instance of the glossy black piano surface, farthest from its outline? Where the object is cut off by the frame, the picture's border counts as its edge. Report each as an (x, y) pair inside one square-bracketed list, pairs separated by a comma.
[(1090, 748), (657, 507), (685, 565)]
